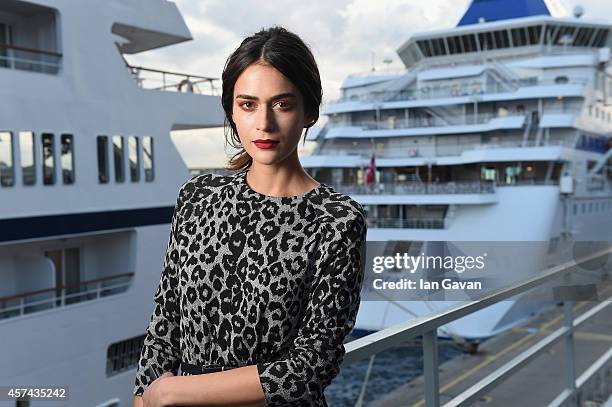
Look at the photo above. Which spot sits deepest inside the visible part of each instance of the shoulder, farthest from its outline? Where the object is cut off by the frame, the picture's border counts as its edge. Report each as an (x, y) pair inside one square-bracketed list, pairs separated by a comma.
[(202, 185), (344, 215), (197, 190), (209, 180)]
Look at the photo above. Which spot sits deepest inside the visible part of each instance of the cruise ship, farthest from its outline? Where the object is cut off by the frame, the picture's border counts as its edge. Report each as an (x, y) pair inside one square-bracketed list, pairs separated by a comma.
[(497, 130), (89, 177)]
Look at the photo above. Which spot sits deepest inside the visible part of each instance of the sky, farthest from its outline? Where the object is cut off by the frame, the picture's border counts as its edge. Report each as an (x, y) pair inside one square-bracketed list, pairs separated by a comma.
[(345, 36)]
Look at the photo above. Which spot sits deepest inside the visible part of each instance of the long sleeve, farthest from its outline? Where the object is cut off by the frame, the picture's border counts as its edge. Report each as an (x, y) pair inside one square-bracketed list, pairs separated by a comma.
[(318, 350), (162, 340)]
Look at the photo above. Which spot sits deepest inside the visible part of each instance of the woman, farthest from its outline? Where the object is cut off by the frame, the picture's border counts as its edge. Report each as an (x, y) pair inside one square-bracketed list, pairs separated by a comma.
[(263, 270)]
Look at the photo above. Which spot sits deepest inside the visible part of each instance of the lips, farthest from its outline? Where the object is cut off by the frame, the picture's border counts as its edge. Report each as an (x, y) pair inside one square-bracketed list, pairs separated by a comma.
[(265, 144)]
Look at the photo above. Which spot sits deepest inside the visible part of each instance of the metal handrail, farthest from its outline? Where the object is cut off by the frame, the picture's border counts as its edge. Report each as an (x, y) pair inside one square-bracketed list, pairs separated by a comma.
[(32, 50), (62, 299), (187, 81), (53, 289), (427, 326), (140, 68)]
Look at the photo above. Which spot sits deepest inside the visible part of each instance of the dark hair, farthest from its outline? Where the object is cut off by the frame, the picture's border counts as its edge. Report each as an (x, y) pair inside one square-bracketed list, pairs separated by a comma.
[(286, 52)]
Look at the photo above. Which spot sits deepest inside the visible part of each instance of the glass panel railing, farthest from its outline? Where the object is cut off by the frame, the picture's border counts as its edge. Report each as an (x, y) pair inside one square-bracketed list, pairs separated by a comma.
[(29, 59), (39, 300)]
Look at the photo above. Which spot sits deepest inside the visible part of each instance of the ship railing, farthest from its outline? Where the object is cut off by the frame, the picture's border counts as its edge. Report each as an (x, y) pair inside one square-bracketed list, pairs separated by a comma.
[(424, 121), (520, 143), (427, 326), (412, 188), (412, 223), (380, 72), (29, 59), (459, 89), (424, 150), (61, 296), (156, 79)]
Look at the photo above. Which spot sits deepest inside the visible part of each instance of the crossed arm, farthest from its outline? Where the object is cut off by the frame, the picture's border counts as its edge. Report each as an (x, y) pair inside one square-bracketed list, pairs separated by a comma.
[(212, 389)]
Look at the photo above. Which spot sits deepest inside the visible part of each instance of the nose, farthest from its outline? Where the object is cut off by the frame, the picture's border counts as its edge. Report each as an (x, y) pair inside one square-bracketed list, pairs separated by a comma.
[(265, 119)]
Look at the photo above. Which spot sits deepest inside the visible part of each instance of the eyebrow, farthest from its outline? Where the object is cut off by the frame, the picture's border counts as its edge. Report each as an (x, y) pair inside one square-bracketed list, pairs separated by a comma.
[(280, 96)]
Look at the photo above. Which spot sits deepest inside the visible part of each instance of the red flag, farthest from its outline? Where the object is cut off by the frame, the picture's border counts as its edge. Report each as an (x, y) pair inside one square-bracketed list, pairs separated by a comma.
[(371, 170)]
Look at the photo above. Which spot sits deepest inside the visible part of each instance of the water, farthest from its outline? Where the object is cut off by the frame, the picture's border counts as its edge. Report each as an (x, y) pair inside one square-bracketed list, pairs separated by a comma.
[(390, 370)]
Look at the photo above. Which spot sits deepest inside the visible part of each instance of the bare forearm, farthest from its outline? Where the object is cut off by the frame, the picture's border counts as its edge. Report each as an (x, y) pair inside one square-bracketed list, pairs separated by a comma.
[(138, 402), (237, 387)]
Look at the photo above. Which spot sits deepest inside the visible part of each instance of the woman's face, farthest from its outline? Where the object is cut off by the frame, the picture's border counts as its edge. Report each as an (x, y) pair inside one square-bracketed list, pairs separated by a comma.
[(267, 106)]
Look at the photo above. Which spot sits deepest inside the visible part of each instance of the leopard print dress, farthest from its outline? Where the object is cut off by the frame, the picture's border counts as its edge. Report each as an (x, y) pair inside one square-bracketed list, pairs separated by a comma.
[(252, 279)]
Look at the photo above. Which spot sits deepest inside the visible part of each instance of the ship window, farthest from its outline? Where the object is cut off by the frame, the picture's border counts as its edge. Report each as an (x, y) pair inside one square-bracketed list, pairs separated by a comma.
[(534, 34), (7, 173), (438, 46), (567, 35), (486, 40), (581, 37), (600, 40), (147, 157), (516, 38), (118, 154), (501, 39), (575, 206), (424, 46), (5, 38), (588, 35), (123, 355), (26, 148), (102, 143), (548, 35), (67, 159), (454, 45), (469, 42), (134, 159), (48, 158)]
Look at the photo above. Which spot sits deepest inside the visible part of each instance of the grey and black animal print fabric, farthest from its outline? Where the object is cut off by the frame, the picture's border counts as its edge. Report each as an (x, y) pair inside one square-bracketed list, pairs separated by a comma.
[(252, 279)]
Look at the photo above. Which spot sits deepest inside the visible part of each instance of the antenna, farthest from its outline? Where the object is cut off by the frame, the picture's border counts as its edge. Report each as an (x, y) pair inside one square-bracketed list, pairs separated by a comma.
[(578, 11), (373, 54), (387, 61)]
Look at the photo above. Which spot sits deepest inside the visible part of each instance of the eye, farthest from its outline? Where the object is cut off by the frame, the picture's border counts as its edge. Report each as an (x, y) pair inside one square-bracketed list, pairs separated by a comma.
[(247, 104), (284, 105)]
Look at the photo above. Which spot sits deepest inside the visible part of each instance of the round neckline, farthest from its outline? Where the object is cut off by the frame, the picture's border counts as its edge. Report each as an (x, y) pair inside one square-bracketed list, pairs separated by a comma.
[(312, 191)]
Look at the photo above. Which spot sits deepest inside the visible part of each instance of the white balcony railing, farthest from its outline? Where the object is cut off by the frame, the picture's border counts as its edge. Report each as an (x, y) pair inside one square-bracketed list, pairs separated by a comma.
[(397, 223), (155, 79), (424, 122), (459, 89), (417, 188)]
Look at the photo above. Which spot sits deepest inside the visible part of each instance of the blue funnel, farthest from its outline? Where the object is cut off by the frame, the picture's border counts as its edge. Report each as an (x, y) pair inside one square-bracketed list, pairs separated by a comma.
[(494, 10)]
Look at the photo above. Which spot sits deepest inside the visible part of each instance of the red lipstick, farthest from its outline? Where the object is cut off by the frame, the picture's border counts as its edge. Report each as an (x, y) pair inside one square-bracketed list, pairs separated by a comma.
[(265, 144)]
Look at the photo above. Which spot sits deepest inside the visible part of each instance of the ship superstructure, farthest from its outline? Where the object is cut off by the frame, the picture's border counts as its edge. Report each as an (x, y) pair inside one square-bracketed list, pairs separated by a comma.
[(497, 130)]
